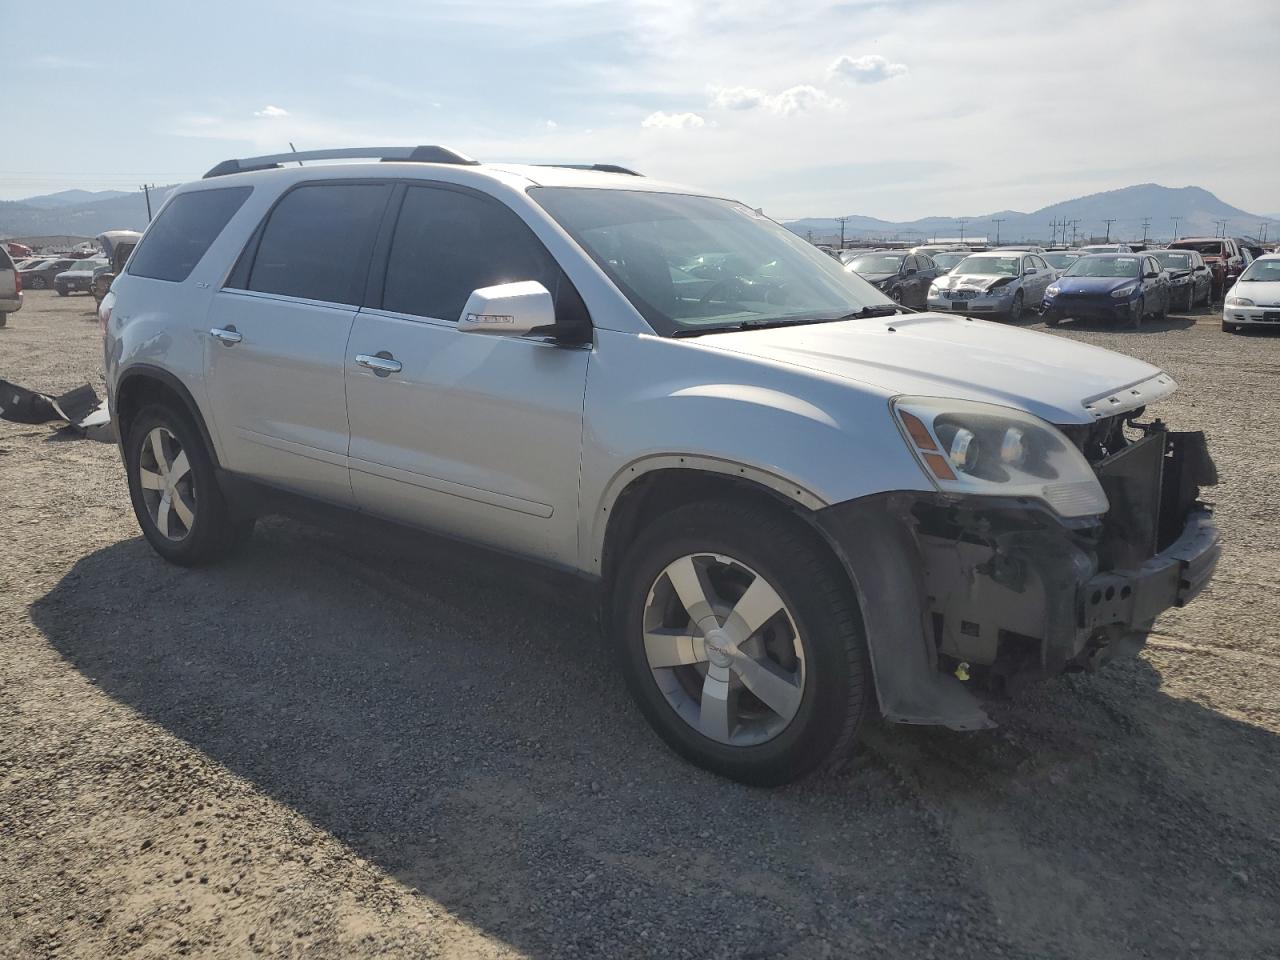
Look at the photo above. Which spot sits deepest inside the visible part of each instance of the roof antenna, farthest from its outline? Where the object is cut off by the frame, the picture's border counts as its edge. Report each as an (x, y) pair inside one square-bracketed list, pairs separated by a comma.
[(295, 150)]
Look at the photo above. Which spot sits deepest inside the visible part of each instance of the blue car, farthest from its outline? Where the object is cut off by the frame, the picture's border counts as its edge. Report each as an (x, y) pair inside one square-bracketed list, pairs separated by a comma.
[(1115, 287)]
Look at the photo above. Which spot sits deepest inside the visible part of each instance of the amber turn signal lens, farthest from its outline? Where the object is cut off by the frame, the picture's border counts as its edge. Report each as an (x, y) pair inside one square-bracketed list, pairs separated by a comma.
[(938, 464), (918, 432)]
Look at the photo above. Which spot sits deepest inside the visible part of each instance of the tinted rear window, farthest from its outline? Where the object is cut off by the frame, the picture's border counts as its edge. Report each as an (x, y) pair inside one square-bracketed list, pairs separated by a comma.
[(184, 231), (317, 243)]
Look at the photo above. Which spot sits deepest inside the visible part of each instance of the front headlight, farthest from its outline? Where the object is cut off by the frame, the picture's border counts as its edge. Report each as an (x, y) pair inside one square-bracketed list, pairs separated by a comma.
[(1052, 290), (1003, 290), (1124, 291), (984, 449), (1239, 302)]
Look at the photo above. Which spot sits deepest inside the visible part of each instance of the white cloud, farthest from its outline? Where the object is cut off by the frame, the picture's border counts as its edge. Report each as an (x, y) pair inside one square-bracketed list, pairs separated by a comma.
[(270, 111), (872, 68), (791, 101), (661, 120), (550, 124)]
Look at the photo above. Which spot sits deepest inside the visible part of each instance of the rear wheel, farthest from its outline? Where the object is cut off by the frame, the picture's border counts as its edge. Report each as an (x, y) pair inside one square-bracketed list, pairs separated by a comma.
[(739, 639), (39, 283), (4, 319), (175, 494)]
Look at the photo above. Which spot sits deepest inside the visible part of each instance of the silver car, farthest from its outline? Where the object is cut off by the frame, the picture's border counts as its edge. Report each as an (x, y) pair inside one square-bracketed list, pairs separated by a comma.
[(10, 287), (793, 501), (997, 284)]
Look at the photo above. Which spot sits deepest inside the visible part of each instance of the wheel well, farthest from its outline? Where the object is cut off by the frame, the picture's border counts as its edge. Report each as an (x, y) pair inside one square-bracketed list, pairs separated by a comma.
[(660, 491), (141, 390)]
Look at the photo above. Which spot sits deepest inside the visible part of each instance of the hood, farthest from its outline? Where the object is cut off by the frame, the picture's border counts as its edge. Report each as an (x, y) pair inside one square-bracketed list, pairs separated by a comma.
[(973, 281), (1262, 293), (1094, 284), (935, 355), (877, 277)]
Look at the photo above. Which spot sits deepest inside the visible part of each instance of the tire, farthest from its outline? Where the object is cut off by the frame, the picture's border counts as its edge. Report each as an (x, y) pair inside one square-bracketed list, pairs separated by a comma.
[(1015, 311), (1140, 311), (63, 291), (1229, 327), (1052, 319), (1163, 315), (198, 526), (39, 283), (4, 319), (828, 689)]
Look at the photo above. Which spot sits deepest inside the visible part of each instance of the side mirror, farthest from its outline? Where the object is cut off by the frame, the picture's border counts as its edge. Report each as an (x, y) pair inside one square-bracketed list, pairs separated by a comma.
[(911, 271), (1150, 276), (1031, 271), (509, 310)]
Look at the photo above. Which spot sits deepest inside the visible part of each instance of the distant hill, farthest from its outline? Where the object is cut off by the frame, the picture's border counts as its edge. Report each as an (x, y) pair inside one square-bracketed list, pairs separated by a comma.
[(69, 213), (68, 198), (1196, 209)]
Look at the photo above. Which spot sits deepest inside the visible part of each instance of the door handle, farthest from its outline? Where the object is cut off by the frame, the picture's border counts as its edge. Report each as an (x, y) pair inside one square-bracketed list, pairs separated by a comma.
[(227, 335), (383, 364)]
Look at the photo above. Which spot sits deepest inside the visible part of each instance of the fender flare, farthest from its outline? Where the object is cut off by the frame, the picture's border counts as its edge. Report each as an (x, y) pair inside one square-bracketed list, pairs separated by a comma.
[(147, 371)]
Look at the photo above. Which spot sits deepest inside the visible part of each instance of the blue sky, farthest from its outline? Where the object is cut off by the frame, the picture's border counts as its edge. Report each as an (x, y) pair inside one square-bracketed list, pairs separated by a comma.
[(891, 109)]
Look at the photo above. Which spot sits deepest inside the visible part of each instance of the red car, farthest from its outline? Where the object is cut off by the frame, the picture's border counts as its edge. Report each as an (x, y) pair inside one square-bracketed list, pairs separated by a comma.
[(1223, 257)]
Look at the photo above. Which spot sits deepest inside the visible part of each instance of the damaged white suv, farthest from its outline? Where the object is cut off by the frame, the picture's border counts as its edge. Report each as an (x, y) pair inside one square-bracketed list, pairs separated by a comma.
[(799, 501)]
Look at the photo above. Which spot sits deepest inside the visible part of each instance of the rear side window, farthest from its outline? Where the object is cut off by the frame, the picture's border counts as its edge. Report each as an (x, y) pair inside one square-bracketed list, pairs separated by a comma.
[(447, 244), (183, 232), (318, 240)]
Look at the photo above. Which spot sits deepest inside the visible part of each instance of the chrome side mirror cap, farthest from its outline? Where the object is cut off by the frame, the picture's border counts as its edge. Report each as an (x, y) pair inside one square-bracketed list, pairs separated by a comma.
[(509, 310)]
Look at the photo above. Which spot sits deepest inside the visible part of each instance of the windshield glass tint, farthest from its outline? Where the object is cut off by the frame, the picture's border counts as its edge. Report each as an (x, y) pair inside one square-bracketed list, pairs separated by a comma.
[(1211, 248), (1060, 261), (1173, 261), (948, 260), (1265, 271), (879, 263), (989, 266), (694, 263), (1104, 267)]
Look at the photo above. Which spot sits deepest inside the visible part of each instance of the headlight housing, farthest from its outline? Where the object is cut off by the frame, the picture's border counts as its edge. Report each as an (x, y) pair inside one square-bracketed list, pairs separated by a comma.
[(985, 449), (1052, 290), (1239, 302), (1125, 291)]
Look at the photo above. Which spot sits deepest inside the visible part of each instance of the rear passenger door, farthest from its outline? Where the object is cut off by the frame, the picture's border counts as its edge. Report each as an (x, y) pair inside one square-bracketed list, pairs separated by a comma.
[(278, 334), (471, 435)]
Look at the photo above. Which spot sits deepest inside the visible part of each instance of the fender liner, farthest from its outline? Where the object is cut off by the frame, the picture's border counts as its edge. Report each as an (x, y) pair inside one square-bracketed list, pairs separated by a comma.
[(875, 541)]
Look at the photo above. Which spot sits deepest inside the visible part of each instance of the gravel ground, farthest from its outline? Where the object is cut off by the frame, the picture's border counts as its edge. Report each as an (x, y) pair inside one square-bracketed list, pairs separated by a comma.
[(340, 746)]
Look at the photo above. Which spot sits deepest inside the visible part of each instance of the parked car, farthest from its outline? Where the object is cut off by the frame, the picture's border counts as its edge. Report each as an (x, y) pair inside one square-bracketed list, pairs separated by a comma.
[(1116, 287), (929, 249), (40, 276), (1221, 255), (1255, 298), (1189, 278), (994, 283), (791, 511), (117, 245), (1107, 248), (947, 261), (1024, 248), (78, 278), (904, 277), (10, 288), (1061, 259)]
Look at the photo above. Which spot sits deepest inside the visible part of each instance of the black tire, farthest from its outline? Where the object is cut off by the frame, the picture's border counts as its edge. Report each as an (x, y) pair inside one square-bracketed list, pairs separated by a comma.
[(1139, 312), (63, 291), (214, 532), (837, 690), (1229, 327), (39, 283), (1015, 311), (1163, 315), (1052, 319), (4, 319)]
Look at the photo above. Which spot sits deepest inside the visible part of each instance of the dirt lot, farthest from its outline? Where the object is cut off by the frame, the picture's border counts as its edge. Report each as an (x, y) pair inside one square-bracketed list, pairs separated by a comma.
[(336, 747)]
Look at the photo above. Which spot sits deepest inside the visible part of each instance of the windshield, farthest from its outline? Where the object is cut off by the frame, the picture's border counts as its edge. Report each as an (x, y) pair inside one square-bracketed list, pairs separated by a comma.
[(1172, 260), (692, 264), (1212, 248), (1263, 271), (37, 264), (879, 263), (948, 260), (1060, 261), (989, 266), (1104, 267)]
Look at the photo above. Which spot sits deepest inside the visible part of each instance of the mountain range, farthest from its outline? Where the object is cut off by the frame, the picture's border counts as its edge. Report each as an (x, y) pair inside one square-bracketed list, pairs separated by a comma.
[(77, 213), (1197, 211), (86, 214)]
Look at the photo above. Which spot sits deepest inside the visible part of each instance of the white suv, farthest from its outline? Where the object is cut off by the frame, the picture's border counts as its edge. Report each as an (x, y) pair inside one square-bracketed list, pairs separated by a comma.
[(800, 502), (10, 287)]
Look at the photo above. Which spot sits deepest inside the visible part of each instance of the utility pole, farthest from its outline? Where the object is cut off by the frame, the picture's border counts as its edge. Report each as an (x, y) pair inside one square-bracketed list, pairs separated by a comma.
[(1073, 232), (808, 235), (1176, 220), (842, 221), (1146, 222), (1053, 232), (1222, 227), (1109, 222), (997, 222), (962, 223), (146, 189)]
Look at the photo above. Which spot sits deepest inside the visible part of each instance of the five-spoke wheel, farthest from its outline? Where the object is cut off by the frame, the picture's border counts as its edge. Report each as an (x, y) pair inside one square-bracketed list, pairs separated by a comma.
[(164, 473)]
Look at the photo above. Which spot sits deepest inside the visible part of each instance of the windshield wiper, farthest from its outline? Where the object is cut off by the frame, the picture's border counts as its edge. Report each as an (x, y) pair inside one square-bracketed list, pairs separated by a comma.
[(765, 323)]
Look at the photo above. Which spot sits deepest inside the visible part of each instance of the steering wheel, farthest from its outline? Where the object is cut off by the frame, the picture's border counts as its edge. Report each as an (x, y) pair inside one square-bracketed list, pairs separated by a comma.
[(714, 289)]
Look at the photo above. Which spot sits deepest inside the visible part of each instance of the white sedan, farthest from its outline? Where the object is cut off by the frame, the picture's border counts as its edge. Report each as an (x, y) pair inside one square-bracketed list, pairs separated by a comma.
[(1255, 298)]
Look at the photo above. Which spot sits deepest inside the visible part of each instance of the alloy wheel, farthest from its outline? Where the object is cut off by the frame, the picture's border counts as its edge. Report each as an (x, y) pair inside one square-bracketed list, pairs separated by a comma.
[(724, 649), (168, 490)]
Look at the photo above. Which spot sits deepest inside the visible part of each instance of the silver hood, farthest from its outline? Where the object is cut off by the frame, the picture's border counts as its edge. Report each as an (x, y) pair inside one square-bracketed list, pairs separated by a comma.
[(935, 355)]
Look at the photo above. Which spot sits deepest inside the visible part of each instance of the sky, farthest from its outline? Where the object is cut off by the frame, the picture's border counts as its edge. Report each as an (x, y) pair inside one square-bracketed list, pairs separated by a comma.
[(896, 110)]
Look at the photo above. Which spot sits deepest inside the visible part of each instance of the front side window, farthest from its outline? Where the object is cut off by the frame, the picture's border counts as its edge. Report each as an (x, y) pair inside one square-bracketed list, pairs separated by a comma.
[(317, 243), (184, 231), (692, 264), (448, 243)]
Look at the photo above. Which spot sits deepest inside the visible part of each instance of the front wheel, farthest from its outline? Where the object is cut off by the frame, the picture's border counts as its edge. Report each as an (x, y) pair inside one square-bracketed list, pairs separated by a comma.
[(63, 291), (1139, 311), (739, 639), (1164, 309), (1229, 327), (175, 494), (1015, 311)]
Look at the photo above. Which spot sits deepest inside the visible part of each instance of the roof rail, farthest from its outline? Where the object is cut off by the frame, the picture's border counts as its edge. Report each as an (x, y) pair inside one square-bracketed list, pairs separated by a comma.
[(411, 154), (600, 167)]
